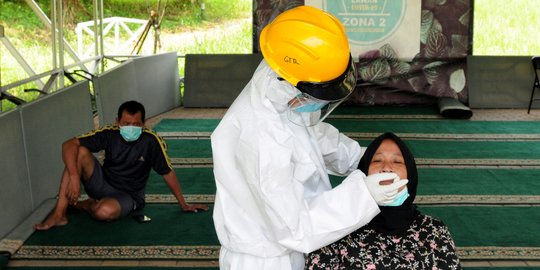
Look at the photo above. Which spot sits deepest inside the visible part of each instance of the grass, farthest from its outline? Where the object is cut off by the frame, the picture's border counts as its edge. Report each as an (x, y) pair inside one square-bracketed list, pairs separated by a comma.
[(506, 27)]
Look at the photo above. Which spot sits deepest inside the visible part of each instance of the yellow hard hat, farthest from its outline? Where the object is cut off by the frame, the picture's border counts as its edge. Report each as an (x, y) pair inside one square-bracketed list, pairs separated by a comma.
[(309, 48)]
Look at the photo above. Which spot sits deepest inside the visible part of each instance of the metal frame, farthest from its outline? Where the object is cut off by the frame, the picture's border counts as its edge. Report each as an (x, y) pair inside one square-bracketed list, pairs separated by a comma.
[(112, 24), (536, 85), (59, 47)]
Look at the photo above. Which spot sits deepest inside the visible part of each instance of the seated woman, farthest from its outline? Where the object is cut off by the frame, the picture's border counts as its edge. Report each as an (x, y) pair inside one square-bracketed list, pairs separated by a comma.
[(399, 237)]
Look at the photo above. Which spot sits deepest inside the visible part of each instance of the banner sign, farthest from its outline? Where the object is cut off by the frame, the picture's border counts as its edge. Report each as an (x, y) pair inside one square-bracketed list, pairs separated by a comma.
[(372, 24)]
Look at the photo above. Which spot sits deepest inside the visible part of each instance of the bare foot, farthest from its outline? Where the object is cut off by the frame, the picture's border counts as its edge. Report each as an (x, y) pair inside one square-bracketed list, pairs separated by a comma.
[(51, 221)]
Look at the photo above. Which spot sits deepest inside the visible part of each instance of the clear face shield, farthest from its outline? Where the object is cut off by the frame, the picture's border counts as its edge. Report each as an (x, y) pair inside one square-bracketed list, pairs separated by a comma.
[(318, 100)]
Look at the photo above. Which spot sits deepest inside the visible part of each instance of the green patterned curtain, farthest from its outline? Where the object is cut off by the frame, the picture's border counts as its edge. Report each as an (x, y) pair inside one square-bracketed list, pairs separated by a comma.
[(439, 70)]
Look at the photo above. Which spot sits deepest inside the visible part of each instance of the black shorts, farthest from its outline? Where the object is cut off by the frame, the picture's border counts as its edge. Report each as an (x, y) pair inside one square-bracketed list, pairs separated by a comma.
[(97, 187)]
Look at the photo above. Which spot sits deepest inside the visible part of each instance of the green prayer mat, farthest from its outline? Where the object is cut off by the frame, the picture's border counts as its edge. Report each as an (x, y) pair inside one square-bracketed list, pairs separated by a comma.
[(198, 186), (169, 226), (192, 181), (486, 230), (478, 181), (480, 232), (420, 110), (490, 225), (472, 149), (492, 232), (172, 234), (189, 148), (437, 126), (432, 181), (513, 150), (186, 125), (474, 186), (379, 126)]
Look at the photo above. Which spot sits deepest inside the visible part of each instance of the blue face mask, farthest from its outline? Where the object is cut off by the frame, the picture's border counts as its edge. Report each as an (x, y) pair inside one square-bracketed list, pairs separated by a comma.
[(400, 198), (310, 107), (130, 133)]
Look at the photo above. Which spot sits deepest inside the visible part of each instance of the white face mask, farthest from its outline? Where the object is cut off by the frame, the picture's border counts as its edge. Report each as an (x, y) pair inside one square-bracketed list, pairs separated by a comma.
[(130, 133)]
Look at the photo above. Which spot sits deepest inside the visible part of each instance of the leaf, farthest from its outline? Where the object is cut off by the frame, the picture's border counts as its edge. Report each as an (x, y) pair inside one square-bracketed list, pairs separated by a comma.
[(457, 80), (388, 52), (436, 45), (432, 71), (425, 25)]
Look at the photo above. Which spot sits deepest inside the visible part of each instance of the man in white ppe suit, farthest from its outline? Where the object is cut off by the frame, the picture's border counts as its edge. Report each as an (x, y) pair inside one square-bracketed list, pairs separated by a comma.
[(272, 154)]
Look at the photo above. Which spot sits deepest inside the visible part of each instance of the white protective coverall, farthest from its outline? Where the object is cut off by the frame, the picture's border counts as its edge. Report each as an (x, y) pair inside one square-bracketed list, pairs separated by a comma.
[(274, 200)]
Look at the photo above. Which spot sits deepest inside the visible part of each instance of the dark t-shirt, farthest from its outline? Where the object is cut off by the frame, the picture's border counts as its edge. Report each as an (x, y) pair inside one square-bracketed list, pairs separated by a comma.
[(127, 164)]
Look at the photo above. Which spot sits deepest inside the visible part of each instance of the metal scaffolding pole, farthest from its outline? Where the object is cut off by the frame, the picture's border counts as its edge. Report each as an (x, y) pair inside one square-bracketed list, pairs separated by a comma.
[(47, 22), (60, 29), (98, 34), (54, 53), (59, 48), (18, 57), (102, 44)]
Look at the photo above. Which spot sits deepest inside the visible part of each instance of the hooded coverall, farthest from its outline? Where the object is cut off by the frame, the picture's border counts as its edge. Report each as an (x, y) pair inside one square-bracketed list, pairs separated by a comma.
[(274, 201)]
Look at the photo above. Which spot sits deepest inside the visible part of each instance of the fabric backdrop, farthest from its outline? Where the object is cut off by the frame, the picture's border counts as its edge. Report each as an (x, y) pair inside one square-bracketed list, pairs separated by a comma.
[(439, 70)]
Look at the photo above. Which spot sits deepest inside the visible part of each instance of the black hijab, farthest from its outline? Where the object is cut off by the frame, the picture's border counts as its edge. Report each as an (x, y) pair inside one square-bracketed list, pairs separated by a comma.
[(394, 219)]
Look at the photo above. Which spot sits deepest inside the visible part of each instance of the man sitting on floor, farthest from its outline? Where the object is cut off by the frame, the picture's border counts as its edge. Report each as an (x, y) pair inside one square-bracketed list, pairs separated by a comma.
[(115, 188)]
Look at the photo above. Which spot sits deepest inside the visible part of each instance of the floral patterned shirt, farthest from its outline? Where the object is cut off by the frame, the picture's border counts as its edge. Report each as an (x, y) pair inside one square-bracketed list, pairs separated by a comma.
[(427, 244)]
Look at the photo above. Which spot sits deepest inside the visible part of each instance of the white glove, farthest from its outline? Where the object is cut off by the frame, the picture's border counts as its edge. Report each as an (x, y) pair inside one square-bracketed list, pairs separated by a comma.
[(384, 194)]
